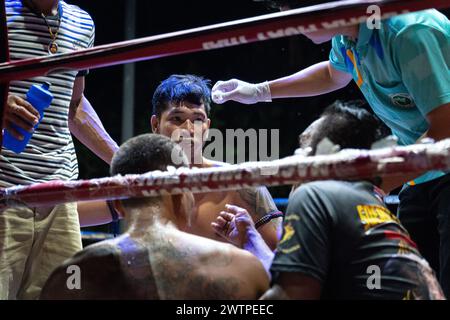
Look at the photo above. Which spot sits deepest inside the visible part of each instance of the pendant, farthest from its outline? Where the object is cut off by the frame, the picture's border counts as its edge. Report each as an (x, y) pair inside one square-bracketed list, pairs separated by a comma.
[(53, 47)]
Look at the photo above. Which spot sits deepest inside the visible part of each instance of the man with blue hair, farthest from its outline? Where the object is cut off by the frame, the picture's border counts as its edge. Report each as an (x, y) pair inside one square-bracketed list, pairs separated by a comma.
[(181, 106)]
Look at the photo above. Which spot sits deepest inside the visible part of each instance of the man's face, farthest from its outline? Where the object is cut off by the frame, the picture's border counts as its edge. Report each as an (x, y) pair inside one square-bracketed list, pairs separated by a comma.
[(186, 124)]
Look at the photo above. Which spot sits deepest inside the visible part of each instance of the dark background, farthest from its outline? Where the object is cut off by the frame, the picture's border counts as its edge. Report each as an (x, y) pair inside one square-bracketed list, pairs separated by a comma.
[(253, 63)]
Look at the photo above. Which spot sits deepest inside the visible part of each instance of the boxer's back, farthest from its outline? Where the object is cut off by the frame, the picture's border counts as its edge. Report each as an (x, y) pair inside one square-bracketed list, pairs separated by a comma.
[(112, 269), (173, 265), (200, 268)]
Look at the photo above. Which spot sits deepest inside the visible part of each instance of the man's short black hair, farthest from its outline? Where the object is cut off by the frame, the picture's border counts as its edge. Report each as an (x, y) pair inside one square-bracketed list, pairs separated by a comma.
[(147, 152), (179, 88), (144, 153), (349, 125)]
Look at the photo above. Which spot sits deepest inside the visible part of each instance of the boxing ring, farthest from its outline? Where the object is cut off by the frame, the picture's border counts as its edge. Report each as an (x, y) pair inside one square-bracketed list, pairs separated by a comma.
[(347, 164)]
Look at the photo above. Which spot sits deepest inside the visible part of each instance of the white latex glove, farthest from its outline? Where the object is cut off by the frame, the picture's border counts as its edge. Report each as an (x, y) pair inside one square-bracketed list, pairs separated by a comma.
[(241, 91)]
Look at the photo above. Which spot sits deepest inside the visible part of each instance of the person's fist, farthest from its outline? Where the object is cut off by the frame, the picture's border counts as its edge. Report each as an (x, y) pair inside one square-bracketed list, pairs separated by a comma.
[(19, 113), (241, 91), (232, 224)]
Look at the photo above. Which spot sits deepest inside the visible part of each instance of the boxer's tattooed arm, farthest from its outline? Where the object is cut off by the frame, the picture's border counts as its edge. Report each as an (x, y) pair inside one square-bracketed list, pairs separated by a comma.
[(259, 199), (262, 202)]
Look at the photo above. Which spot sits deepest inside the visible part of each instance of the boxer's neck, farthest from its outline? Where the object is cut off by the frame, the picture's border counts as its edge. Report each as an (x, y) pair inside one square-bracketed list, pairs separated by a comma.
[(145, 220)]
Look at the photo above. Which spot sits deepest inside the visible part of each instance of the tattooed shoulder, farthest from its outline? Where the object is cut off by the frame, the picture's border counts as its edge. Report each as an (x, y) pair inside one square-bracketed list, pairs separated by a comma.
[(219, 288), (182, 268), (260, 199)]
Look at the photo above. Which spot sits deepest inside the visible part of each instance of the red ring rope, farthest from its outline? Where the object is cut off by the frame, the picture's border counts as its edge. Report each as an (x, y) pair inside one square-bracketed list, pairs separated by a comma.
[(415, 158), (224, 34), (348, 164)]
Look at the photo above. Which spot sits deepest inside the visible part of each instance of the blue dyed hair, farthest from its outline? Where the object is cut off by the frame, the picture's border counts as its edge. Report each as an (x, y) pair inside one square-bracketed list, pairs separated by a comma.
[(179, 88)]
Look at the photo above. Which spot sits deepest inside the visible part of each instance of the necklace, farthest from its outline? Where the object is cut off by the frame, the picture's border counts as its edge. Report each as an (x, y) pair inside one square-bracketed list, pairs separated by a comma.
[(52, 47)]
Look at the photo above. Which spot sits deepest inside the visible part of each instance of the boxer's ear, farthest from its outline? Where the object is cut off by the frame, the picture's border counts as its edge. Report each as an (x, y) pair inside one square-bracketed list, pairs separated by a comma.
[(154, 122)]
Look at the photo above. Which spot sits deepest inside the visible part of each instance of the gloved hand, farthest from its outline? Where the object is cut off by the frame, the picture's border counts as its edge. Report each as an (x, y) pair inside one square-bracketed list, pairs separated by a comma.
[(241, 91)]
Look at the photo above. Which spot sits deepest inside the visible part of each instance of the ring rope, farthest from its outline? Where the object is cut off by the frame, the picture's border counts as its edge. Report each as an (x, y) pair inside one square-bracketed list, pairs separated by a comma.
[(348, 164), (260, 28)]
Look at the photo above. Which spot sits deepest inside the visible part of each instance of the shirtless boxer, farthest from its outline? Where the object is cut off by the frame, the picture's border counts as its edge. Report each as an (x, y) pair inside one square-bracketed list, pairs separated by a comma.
[(155, 258), (178, 103)]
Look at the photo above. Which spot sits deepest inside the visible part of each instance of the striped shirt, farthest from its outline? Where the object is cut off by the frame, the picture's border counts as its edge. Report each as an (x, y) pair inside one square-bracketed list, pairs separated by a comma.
[(50, 154)]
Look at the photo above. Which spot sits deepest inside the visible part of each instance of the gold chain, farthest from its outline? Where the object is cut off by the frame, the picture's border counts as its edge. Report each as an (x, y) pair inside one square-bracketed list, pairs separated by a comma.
[(52, 35)]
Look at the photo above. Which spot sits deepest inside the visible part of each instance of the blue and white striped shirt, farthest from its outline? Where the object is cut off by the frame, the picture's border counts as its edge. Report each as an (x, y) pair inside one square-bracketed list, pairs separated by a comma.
[(50, 154)]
